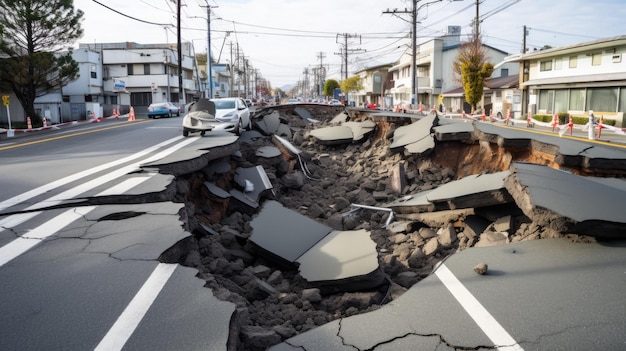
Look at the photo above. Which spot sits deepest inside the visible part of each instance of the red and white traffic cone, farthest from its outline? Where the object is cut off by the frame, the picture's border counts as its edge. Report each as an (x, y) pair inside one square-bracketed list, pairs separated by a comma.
[(600, 126), (29, 125)]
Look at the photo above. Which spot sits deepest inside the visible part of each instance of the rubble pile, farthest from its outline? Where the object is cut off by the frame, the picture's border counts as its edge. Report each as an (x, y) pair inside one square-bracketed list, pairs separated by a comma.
[(274, 301)]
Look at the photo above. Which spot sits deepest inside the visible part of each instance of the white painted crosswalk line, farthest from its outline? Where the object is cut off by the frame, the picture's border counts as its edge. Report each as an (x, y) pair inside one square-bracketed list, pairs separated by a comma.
[(128, 321), (489, 325)]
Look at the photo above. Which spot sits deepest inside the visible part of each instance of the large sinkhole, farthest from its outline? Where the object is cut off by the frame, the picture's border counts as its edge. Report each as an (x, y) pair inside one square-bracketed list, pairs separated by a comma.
[(253, 246)]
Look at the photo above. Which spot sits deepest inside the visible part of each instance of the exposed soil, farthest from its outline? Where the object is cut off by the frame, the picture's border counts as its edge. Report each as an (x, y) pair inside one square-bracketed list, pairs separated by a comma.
[(273, 301)]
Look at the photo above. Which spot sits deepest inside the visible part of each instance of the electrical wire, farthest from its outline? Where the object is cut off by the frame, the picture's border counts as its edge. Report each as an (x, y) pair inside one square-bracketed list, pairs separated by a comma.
[(131, 17)]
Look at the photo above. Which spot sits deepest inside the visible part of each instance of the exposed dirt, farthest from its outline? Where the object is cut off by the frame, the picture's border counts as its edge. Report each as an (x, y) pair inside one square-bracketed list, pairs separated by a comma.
[(273, 301)]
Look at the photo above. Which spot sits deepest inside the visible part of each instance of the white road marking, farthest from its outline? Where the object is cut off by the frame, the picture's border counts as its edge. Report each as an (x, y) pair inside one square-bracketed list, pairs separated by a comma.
[(489, 325), (54, 200), (125, 325), (31, 239), (60, 182)]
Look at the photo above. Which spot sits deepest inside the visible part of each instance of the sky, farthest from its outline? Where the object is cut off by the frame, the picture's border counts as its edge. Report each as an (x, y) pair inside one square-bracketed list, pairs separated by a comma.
[(284, 38)]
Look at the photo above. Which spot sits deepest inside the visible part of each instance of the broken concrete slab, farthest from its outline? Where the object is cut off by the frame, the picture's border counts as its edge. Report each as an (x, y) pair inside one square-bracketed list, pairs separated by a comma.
[(477, 190), (340, 255), (453, 130), (339, 118), (360, 129), (333, 135), (330, 259), (566, 202), (268, 152), (285, 233), (569, 153), (193, 155), (253, 182), (415, 133), (217, 191), (304, 114), (269, 123), (143, 231), (415, 203)]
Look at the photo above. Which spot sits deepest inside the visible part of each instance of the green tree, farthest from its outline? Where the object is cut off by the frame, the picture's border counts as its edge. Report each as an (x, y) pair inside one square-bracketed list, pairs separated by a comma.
[(472, 66), (329, 87), (36, 35), (352, 84)]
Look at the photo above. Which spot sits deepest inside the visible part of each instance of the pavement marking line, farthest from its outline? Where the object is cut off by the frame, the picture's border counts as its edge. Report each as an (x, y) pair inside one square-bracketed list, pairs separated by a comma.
[(29, 240), (122, 187), (489, 325), (127, 322), (71, 193), (60, 182), (64, 136), (20, 218)]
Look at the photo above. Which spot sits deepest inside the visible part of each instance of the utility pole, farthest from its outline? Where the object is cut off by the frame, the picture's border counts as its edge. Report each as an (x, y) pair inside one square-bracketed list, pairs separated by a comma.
[(208, 48), (345, 50), (181, 91), (477, 22), (321, 74), (413, 12)]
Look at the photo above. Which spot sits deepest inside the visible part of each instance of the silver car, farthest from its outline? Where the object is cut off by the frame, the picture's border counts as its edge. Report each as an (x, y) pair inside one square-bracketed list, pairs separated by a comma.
[(226, 114)]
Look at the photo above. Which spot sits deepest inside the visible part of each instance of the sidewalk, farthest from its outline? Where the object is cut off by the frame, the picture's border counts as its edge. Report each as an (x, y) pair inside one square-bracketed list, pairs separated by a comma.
[(6, 135)]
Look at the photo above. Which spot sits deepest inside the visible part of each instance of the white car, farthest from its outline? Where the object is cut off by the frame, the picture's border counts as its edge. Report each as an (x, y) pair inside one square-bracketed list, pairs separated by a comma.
[(335, 102), (226, 114)]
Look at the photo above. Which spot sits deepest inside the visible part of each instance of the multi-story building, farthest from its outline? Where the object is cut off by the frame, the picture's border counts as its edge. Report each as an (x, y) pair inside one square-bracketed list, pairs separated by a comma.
[(375, 82), (576, 79), (434, 70)]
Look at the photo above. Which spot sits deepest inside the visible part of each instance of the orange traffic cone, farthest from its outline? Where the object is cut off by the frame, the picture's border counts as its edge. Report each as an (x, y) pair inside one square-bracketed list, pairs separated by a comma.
[(28, 123), (555, 121), (528, 120), (600, 126), (570, 125), (131, 114), (45, 122)]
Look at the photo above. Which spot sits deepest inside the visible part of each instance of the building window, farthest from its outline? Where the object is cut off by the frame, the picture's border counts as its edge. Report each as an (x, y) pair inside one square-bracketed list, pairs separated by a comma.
[(558, 64), (596, 59), (573, 61), (129, 69), (602, 99), (146, 68), (93, 72), (546, 100), (504, 72), (141, 99), (545, 66), (577, 99)]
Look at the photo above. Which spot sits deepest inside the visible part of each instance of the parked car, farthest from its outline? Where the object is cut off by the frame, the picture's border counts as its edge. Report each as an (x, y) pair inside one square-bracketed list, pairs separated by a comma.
[(226, 114), (163, 109), (335, 102), (293, 101), (248, 102)]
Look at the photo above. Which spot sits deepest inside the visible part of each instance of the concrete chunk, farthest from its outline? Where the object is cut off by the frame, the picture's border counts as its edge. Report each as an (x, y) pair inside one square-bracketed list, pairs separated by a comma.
[(566, 202), (472, 191)]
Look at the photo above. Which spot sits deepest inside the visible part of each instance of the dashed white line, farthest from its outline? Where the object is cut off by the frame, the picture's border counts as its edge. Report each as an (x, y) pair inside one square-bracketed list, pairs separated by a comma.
[(489, 325), (128, 321)]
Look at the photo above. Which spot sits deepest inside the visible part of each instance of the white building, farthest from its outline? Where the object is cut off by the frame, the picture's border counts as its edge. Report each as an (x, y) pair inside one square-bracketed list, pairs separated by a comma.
[(147, 73), (577, 78), (435, 72)]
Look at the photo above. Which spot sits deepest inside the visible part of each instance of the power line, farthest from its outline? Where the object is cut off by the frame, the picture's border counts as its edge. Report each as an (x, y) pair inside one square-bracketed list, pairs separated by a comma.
[(131, 17)]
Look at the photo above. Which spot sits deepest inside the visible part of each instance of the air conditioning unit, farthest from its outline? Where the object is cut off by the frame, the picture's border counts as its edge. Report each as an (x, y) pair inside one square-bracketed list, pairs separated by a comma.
[(438, 83)]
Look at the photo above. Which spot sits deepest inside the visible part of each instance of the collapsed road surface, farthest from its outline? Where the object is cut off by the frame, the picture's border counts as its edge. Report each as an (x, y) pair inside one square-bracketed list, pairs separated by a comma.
[(322, 231)]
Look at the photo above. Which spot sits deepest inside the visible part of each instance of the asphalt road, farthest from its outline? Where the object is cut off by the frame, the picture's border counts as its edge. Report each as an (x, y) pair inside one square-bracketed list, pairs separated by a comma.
[(82, 277)]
